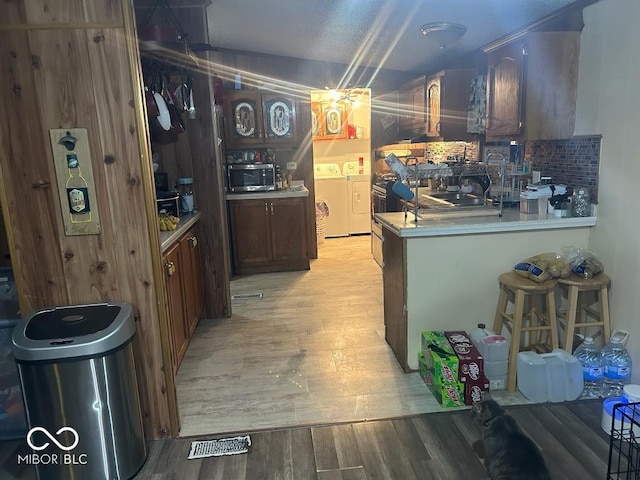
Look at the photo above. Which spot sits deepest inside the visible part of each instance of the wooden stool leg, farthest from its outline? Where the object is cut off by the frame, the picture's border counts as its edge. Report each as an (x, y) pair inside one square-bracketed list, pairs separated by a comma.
[(551, 316), (518, 311), (500, 309), (603, 300), (570, 319)]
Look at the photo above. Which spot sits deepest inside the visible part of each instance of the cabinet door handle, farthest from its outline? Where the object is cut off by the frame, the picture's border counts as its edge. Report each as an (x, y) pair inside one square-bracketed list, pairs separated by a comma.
[(171, 268), (194, 241), (266, 208), (271, 208)]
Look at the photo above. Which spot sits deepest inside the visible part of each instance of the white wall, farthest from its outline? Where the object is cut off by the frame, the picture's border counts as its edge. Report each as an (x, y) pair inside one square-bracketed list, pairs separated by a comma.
[(452, 282), (609, 104)]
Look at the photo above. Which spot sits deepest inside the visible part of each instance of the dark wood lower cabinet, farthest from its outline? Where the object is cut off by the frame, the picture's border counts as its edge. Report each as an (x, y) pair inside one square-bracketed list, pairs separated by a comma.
[(395, 295), (269, 235), (192, 281), (183, 282)]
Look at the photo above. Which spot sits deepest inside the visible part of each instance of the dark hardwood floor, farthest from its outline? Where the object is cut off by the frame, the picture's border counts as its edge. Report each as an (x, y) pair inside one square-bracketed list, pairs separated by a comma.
[(427, 446)]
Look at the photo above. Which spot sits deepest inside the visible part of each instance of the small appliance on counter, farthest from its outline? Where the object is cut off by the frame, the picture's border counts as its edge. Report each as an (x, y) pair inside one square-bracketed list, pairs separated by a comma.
[(544, 198), (185, 189), (161, 180), (168, 202), (251, 177)]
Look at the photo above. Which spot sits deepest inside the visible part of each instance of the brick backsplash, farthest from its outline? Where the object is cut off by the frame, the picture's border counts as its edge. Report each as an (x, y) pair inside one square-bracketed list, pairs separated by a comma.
[(439, 151), (573, 161)]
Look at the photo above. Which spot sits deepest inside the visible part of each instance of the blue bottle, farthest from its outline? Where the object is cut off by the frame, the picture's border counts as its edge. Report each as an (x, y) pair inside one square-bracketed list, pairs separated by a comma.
[(592, 368), (617, 367)]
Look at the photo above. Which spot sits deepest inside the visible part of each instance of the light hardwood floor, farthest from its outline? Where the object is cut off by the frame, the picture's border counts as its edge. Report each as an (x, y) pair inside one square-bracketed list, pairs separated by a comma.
[(311, 351)]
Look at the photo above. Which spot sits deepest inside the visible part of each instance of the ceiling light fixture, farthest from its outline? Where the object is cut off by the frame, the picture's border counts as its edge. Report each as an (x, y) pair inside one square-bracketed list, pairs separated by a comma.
[(444, 33)]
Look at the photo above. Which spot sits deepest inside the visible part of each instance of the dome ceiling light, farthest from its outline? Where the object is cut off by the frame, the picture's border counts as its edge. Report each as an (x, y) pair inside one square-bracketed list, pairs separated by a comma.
[(443, 33)]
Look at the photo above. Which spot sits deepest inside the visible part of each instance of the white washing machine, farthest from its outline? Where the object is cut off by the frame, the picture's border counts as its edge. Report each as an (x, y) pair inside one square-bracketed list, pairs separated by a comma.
[(331, 186), (358, 196)]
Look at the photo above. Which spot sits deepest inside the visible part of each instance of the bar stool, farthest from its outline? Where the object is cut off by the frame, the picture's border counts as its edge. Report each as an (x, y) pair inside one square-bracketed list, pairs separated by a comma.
[(575, 289), (522, 289)]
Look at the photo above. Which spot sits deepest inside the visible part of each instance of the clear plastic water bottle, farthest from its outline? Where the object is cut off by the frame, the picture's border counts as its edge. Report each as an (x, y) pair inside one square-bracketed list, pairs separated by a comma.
[(592, 368), (617, 367)]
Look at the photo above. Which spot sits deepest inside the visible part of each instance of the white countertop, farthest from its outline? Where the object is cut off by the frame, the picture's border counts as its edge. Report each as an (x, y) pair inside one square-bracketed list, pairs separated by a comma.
[(168, 238), (441, 224), (298, 192)]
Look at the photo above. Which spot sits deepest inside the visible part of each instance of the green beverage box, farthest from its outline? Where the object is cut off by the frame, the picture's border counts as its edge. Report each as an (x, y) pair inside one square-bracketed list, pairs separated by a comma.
[(447, 395), (439, 358)]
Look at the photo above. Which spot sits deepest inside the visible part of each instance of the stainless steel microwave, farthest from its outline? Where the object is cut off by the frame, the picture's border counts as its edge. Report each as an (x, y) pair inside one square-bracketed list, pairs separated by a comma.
[(252, 177)]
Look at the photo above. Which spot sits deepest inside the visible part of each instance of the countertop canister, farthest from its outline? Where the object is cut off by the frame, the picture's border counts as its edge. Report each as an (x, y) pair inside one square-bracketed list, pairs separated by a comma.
[(580, 202)]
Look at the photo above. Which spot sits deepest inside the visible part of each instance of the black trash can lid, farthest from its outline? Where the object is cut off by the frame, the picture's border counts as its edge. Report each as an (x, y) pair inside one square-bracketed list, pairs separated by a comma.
[(73, 331)]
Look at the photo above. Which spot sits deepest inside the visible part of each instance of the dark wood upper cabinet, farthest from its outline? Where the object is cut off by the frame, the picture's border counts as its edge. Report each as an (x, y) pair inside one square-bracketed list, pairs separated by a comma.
[(504, 91), (253, 118), (448, 104), (552, 85), (532, 87), (412, 106)]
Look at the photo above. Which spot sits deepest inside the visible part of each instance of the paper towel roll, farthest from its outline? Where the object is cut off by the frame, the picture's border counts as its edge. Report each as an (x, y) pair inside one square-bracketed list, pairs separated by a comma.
[(535, 176)]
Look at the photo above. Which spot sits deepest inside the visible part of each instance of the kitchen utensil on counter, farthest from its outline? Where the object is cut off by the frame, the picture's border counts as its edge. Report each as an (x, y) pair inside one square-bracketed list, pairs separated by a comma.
[(397, 166), (466, 188), (163, 117), (185, 188), (162, 130), (174, 113), (402, 191)]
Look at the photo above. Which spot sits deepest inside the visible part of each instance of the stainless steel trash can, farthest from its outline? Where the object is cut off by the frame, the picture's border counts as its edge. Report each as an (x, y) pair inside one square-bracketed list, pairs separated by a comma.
[(78, 380)]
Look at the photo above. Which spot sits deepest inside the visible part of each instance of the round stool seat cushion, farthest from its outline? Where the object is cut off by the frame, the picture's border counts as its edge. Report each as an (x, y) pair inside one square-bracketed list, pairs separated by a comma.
[(586, 283), (514, 281)]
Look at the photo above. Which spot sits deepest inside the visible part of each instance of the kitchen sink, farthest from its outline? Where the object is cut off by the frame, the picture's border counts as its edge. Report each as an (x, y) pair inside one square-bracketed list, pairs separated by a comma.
[(451, 198)]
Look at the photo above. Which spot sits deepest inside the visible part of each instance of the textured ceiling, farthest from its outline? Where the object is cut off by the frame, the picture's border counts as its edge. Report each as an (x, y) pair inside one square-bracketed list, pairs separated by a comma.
[(367, 32)]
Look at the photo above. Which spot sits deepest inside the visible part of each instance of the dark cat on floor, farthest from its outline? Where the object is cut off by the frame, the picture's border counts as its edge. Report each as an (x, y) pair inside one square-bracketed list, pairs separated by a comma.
[(509, 454)]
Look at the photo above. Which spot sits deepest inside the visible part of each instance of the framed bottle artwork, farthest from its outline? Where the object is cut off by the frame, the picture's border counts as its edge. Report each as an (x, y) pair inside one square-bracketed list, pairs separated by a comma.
[(74, 176)]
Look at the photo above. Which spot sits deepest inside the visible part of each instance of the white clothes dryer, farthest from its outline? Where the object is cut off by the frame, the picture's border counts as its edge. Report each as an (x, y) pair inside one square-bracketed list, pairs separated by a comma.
[(331, 187), (358, 196)]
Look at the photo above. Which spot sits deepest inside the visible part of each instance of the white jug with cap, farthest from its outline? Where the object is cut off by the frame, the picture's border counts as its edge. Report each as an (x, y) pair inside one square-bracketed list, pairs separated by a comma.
[(549, 377)]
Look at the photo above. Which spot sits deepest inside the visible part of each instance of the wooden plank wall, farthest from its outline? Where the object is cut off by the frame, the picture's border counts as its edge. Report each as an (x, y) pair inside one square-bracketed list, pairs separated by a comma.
[(197, 154), (70, 63)]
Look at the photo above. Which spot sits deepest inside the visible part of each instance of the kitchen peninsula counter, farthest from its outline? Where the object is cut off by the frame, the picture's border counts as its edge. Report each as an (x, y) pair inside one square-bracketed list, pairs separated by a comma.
[(452, 223), (441, 273)]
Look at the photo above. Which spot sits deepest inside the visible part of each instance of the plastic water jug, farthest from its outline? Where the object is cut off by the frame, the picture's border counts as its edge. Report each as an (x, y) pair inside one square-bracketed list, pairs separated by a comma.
[(492, 347), (495, 352), (552, 377)]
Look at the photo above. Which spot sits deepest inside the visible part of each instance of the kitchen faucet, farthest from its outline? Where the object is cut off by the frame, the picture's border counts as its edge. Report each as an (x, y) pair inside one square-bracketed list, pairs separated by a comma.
[(502, 173)]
